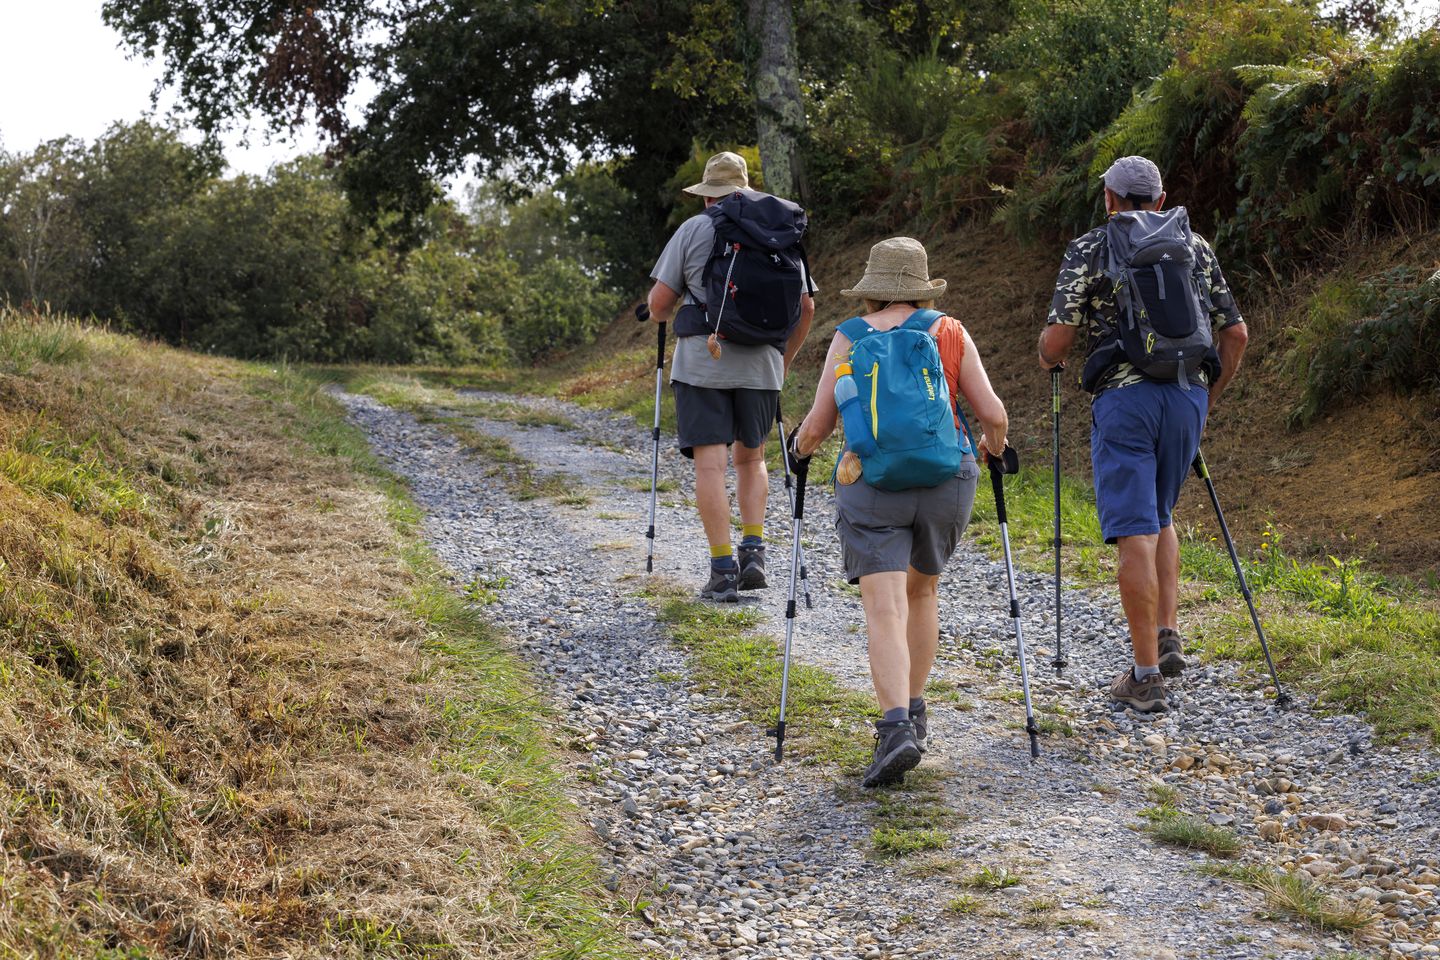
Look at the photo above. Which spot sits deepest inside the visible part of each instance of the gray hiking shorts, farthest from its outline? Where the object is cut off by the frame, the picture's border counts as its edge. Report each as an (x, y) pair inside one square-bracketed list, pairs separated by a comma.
[(884, 531), (708, 416)]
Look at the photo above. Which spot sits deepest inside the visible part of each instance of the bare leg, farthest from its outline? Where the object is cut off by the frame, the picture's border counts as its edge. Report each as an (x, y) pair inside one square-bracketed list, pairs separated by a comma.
[(752, 483), (883, 596), (711, 497), (922, 627), (1167, 574), (1140, 595)]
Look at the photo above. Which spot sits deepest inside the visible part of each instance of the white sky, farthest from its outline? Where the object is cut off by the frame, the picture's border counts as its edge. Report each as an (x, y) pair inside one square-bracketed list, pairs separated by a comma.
[(63, 72)]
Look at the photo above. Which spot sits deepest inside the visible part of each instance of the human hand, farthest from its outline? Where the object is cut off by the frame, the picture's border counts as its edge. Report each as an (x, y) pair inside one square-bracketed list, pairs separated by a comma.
[(990, 449), (798, 463)]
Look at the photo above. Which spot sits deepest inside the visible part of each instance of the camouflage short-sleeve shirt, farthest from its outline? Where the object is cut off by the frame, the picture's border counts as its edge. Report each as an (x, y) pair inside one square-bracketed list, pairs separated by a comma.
[(1085, 297)]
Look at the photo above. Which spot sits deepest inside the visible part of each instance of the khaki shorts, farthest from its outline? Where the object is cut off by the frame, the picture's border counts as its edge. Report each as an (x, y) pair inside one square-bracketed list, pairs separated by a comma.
[(883, 531)]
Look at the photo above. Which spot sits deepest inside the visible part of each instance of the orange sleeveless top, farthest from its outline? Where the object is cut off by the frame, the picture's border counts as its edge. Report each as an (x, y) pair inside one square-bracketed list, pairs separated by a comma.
[(950, 337)]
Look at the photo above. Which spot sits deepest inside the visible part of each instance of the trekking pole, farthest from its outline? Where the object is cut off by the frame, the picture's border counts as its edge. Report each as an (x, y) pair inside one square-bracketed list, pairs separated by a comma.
[(642, 313), (1009, 462), (1059, 662), (802, 468), (1282, 700), (790, 492)]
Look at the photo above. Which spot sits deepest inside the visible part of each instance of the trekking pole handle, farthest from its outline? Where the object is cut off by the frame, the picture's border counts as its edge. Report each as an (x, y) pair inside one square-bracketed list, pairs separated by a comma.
[(642, 312), (1007, 462)]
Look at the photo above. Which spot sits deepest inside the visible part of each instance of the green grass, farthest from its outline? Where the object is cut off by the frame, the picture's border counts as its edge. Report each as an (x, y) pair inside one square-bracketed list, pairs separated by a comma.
[(992, 879), (642, 485), (903, 841), (825, 722), (1291, 893), (965, 904), (1192, 833), (1167, 824), (27, 340), (498, 747)]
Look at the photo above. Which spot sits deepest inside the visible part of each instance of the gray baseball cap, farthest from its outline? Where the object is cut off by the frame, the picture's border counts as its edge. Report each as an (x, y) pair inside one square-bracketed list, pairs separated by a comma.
[(1134, 177)]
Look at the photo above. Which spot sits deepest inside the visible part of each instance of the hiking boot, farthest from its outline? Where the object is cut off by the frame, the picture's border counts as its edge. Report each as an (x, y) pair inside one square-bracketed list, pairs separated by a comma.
[(1145, 695), (723, 586), (1172, 652), (895, 752), (922, 727), (752, 568)]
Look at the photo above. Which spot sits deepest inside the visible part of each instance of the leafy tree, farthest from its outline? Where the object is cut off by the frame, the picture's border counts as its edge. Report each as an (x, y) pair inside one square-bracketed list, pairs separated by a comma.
[(43, 229), (516, 88)]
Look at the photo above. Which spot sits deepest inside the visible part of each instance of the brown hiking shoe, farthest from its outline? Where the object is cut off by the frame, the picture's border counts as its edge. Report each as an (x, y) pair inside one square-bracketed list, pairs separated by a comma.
[(1172, 652), (1147, 695)]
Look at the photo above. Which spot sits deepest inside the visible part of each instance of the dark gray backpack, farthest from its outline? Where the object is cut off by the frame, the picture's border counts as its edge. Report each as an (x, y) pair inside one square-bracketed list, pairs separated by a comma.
[(1163, 300)]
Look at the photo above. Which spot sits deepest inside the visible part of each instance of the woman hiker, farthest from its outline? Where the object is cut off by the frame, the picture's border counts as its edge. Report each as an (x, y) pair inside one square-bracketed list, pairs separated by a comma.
[(897, 541)]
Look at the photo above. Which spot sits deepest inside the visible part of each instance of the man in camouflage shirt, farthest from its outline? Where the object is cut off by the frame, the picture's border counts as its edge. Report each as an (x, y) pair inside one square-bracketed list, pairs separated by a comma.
[(1144, 433)]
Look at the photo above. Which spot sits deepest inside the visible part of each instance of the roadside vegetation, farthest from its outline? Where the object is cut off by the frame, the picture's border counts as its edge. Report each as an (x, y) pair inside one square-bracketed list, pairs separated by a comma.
[(243, 711)]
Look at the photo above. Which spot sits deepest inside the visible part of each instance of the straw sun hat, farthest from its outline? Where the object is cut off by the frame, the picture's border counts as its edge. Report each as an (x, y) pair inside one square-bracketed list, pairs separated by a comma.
[(897, 270)]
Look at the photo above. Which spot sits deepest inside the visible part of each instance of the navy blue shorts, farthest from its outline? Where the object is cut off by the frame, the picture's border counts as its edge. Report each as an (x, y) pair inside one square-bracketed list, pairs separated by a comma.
[(1143, 438)]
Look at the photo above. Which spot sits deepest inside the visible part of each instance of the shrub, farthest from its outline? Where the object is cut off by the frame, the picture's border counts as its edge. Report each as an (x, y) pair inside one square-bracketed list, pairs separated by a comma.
[(1383, 334)]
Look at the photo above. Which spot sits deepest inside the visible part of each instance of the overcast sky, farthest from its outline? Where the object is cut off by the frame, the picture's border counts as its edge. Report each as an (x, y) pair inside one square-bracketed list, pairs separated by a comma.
[(63, 72)]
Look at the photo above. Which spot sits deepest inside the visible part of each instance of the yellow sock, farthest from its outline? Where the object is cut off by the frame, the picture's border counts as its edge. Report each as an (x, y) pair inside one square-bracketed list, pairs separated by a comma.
[(756, 530), (724, 551)]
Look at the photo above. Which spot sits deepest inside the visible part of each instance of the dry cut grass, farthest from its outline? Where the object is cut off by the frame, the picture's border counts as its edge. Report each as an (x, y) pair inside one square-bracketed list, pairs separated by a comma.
[(240, 715)]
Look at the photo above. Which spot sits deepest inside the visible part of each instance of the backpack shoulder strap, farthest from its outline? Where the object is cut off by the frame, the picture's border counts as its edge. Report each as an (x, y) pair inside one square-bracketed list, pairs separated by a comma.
[(805, 262), (856, 329), (921, 320)]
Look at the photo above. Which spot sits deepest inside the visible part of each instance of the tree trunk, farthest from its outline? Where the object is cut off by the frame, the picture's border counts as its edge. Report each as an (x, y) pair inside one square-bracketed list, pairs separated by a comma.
[(780, 112)]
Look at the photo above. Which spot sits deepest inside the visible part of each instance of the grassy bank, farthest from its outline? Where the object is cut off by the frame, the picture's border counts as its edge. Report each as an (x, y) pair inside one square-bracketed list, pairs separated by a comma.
[(243, 713)]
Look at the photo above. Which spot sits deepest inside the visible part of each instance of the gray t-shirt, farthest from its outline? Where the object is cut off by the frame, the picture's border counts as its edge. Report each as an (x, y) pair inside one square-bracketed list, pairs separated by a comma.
[(681, 267)]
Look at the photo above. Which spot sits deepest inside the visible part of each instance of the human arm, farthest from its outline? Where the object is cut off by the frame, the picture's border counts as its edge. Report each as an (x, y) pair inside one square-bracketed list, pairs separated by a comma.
[(975, 387), (820, 421), (802, 329), (1231, 334), (680, 263), (662, 301), (1056, 342), (1230, 343), (1070, 303)]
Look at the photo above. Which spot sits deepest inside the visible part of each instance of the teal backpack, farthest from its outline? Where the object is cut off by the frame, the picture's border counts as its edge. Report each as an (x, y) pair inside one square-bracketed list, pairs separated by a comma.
[(900, 419)]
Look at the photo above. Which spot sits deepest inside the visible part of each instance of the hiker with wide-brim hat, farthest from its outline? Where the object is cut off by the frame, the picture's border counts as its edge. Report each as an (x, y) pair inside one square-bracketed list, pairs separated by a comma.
[(896, 541), (1155, 378), (725, 399)]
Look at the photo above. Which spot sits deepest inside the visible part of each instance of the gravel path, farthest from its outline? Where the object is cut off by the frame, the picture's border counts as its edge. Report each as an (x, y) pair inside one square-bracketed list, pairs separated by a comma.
[(745, 858)]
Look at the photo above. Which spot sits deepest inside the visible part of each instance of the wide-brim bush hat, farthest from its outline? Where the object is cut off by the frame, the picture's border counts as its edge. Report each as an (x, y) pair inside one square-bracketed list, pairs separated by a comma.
[(898, 269), (724, 174)]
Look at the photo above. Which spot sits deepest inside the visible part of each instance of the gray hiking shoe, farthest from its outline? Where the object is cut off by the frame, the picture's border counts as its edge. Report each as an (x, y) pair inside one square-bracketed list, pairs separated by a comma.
[(922, 727), (723, 586), (1172, 652), (752, 568), (896, 752), (1146, 695)]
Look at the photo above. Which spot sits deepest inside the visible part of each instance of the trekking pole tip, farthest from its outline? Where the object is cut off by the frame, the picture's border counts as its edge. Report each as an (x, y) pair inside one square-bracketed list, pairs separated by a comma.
[(778, 732)]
